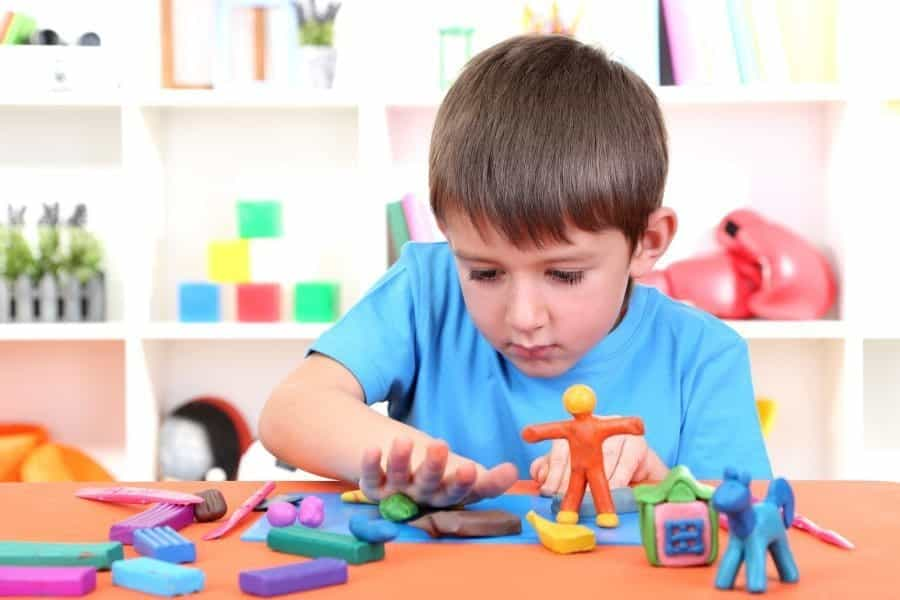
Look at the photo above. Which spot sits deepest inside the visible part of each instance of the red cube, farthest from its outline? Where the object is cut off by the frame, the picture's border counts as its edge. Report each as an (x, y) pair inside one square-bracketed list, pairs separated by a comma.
[(258, 302)]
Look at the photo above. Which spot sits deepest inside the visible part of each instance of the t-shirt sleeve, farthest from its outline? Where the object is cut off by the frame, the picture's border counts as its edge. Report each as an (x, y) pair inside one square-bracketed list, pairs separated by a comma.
[(376, 339), (720, 426)]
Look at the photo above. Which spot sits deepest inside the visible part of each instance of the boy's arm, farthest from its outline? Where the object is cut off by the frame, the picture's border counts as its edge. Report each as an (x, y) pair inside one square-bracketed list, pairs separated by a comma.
[(317, 420), (544, 431), (720, 425)]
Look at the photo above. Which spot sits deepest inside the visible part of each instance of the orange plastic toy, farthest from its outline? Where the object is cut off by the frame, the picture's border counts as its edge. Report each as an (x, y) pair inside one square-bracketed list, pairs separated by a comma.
[(585, 435), (26, 454)]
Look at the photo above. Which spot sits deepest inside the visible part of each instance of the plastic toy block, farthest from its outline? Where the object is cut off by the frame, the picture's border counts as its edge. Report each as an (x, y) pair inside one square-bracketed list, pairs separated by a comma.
[(356, 497), (199, 303), (398, 508), (316, 302), (755, 530), (212, 508), (173, 515), (259, 219), (157, 577), (314, 543), (258, 302), (311, 512), (47, 581), (562, 539), (164, 543), (229, 261), (298, 577), (374, 531), (52, 554)]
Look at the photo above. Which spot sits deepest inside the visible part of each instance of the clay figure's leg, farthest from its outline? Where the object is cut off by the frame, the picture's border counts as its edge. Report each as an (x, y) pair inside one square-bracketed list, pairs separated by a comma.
[(571, 502), (606, 510)]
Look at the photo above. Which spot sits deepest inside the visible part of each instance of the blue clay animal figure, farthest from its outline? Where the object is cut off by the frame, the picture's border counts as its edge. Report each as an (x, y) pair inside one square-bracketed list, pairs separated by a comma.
[(754, 530)]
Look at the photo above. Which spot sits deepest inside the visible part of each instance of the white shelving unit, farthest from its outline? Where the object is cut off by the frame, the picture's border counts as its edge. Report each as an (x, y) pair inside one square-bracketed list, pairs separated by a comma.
[(166, 167)]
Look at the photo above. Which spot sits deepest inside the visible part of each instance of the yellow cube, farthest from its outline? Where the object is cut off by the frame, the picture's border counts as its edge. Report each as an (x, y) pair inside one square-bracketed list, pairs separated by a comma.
[(229, 261)]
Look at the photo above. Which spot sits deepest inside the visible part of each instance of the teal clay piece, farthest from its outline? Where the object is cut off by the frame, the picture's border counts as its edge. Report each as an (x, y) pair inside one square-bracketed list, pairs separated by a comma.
[(398, 508)]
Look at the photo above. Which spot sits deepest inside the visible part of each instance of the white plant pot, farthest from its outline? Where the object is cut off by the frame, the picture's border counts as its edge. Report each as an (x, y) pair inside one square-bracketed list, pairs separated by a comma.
[(317, 64)]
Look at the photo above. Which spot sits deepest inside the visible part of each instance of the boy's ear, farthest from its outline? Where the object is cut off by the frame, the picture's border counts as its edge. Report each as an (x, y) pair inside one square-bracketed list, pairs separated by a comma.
[(661, 227)]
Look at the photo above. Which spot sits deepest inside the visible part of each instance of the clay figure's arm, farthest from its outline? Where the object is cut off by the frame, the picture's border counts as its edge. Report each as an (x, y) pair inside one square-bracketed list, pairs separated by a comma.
[(545, 431), (620, 425)]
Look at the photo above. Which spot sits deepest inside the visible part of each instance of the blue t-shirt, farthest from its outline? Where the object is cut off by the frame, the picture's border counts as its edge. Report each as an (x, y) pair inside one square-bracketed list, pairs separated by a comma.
[(411, 342)]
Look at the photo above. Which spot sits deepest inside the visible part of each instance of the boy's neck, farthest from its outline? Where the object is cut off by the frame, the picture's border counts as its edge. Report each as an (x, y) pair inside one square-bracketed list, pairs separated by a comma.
[(624, 308)]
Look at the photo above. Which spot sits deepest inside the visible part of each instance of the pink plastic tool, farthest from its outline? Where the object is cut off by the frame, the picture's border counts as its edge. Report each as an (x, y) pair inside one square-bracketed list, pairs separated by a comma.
[(47, 581), (135, 495), (242, 511)]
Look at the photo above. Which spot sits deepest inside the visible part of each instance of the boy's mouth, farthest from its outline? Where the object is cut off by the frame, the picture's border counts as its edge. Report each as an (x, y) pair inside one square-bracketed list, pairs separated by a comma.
[(531, 352)]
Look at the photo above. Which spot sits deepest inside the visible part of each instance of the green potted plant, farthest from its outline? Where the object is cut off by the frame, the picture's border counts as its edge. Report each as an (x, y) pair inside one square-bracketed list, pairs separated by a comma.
[(47, 264), (316, 35), (82, 271), (18, 265)]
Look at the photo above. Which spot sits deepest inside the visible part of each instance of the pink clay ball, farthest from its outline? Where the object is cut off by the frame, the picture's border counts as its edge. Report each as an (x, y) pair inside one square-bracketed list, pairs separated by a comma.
[(281, 514), (312, 511)]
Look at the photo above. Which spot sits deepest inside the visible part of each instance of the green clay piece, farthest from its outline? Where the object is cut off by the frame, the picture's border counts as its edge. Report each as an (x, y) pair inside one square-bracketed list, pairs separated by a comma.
[(398, 508), (306, 541), (52, 554)]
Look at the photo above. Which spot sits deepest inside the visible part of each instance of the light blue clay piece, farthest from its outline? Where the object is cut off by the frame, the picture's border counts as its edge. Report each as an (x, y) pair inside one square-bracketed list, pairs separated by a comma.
[(374, 531)]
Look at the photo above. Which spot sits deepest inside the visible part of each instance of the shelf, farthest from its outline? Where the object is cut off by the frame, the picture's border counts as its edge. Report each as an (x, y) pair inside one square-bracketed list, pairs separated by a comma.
[(235, 331), (789, 330), (108, 99), (250, 98), (61, 331)]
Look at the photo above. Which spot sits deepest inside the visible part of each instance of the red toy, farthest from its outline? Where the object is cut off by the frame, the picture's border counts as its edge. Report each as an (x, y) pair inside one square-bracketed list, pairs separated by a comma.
[(764, 271), (585, 435), (258, 302)]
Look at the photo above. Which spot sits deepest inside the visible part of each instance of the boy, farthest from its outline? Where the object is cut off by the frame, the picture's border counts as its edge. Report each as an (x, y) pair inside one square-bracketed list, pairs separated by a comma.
[(547, 168)]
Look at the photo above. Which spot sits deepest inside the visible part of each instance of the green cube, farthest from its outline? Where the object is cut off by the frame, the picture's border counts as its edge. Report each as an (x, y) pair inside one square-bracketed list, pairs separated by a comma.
[(316, 301), (259, 219)]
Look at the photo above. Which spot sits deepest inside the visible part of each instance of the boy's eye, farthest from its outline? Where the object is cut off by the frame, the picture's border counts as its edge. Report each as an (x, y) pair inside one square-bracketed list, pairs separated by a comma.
[(570, 277), (483, 275)]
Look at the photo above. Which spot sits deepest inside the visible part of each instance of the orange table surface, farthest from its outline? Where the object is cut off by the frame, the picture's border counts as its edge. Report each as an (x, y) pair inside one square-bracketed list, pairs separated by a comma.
[(868, 513)]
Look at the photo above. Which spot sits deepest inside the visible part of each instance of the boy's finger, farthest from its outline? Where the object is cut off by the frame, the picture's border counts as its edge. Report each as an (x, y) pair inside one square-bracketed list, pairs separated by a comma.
[(538, 466), (496, 481), (372, 476), (428, 477), (627, 464), (398, 472), (558, 467), (459, 484)]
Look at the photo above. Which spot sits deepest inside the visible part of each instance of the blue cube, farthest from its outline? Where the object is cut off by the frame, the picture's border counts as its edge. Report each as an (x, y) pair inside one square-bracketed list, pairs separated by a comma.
[(199, 302)]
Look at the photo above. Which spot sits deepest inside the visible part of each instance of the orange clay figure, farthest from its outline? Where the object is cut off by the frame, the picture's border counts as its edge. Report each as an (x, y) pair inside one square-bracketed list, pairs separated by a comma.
[(585, 435)]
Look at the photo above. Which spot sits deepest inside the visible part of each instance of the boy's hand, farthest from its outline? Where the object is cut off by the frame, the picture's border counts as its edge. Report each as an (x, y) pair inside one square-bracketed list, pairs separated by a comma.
[(627, 459), (432, 483)]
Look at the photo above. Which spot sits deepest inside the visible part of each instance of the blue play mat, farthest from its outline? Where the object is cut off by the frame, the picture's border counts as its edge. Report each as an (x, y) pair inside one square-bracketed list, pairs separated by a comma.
[(338, 513)]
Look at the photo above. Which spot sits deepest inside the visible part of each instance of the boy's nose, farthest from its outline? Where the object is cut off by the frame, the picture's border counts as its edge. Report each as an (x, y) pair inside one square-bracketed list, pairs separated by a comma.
[(525, 311)]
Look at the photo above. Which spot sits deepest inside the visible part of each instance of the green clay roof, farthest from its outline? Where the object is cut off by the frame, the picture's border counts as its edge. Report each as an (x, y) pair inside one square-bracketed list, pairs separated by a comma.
[(678, 486)]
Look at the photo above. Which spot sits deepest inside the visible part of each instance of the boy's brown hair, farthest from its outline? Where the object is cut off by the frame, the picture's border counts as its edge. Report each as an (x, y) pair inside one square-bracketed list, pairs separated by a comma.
[(541, 130)]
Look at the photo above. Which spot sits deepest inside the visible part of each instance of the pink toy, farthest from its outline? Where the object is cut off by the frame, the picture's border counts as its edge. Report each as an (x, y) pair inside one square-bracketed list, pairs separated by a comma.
[(135, 495), (242, 511), (47, 581), (312, 511), (281, 514), (797, 282)]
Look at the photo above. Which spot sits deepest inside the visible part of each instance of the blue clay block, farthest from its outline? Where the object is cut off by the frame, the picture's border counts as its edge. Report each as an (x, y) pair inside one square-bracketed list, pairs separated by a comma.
[(156, 577), (164, 543), (374, 531)]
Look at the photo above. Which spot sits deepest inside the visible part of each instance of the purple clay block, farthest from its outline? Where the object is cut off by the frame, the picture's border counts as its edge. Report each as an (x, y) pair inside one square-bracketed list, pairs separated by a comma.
[(296, 577), (174, 515), (281, 514), (312, 511), (47, 581)]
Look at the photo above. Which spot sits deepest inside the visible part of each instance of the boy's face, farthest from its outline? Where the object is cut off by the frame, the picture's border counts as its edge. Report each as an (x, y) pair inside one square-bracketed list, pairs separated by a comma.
[(542, 308)]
